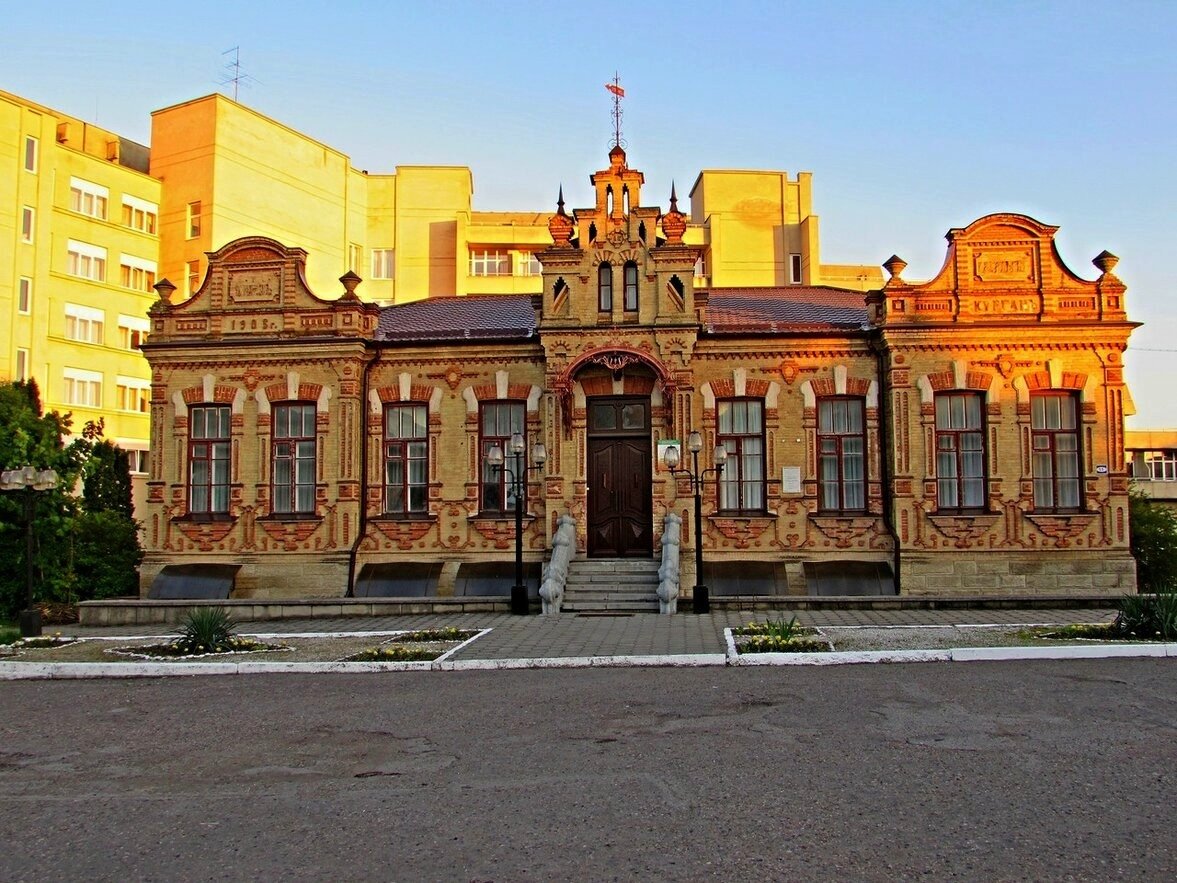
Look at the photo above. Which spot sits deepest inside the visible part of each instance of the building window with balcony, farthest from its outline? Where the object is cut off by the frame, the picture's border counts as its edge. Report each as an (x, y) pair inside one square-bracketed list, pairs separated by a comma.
[(27, 224), (88, 198), (740, 430), (84, 324), (24, 296), (631, 287), (841, 445), (1054, 443), (406, 459), (208, 460), (82, 387), (497, 421), (139, 214), (85, 261), (137, 274), (193, 220), (31, 154), (489, 262), (294, 447), (382, 263), (960, 452), (132, 394), (605, 287)]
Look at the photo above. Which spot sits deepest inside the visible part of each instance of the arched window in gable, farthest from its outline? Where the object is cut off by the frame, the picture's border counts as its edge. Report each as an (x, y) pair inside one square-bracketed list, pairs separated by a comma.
[(631, 287), (605, 287)]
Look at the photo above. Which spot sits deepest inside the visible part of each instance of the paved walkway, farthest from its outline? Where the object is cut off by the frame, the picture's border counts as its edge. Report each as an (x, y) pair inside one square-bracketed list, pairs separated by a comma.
[(647, 634)]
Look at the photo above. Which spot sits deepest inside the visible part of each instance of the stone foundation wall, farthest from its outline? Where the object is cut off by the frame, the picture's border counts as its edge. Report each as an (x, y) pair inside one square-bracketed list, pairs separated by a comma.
[(271, 577), (997, 573)]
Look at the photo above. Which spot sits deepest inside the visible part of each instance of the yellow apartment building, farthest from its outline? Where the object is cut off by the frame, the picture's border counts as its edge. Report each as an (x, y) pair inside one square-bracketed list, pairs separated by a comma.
[(79, 251), (89, 221), (229, 171)]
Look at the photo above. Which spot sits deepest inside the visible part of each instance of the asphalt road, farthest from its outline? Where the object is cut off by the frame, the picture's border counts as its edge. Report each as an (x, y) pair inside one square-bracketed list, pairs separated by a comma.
[(982, 771)]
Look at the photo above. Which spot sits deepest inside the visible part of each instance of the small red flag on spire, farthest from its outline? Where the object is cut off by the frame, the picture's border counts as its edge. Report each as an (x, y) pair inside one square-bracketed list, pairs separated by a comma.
[(615, 89)]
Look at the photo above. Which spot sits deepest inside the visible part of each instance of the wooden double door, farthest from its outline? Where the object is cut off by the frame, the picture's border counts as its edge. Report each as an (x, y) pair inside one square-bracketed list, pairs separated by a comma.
[(620, 502)]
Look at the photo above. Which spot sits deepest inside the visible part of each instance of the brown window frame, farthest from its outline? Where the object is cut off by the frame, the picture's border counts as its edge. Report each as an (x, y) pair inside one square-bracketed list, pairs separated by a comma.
[(295, 456), (402, 451), (605, 287), (631, 287), (837, 440), (951, 441), (738, 460), (1045, 441), (495, 488), (214, 451)]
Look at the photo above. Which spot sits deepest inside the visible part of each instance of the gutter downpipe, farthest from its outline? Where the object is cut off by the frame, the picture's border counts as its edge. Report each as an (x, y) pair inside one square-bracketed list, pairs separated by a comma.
[(362, 524), (886, 439)]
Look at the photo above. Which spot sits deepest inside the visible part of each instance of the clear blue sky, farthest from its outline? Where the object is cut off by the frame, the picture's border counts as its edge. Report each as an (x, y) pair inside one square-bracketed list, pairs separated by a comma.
[(913, 117)]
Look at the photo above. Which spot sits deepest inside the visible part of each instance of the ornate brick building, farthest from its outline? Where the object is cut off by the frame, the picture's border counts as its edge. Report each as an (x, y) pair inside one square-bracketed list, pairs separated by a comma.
[(961, 436)]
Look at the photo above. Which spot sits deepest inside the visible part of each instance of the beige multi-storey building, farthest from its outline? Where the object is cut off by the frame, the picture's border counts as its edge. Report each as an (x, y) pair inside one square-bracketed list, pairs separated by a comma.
[(79, 253)]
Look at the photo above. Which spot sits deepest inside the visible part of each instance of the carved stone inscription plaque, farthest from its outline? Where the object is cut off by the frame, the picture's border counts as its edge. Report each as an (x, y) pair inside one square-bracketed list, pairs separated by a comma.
[(255, 286), (1004, 265)]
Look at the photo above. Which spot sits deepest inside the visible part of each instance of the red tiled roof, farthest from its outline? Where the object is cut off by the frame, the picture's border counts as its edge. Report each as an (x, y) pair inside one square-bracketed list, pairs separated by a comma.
[(784, 310), (500, 316)]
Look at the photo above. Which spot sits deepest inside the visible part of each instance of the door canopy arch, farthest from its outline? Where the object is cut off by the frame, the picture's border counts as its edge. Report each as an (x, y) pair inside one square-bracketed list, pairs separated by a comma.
[(616, 359)]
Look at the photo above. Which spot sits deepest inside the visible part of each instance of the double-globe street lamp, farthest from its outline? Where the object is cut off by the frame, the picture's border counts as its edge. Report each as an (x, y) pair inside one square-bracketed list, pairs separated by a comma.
[(518, 475), (701, 594), (29, 480)]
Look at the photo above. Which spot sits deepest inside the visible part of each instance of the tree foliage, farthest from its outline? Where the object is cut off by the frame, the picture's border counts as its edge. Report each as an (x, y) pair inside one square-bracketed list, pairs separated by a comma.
[(84, 546), (1154, 544)]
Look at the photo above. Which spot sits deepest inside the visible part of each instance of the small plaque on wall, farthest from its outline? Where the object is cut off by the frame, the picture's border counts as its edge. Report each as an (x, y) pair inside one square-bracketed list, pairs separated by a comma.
[(791, 480)]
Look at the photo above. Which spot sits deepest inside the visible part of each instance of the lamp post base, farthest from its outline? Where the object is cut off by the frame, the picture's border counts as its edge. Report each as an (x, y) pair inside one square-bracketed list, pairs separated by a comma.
[(30, 623), (701, 599), (519, 602)]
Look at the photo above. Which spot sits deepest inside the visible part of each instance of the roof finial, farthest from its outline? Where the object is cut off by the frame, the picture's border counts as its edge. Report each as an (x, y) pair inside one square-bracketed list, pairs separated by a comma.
[(560, 201), (618, 94), (673, 198)]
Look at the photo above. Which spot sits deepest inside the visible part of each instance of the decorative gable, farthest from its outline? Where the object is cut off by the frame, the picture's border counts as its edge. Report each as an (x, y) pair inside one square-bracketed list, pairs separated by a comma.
[(1002, 267), (256, 287)]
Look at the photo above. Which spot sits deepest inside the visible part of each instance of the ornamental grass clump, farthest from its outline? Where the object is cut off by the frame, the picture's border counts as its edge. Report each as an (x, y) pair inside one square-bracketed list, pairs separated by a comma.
[(207, 630), (1148, 617)]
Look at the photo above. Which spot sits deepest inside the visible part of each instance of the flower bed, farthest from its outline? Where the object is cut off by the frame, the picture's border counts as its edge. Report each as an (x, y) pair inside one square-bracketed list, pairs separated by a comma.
[(779, 636), (177, 650)]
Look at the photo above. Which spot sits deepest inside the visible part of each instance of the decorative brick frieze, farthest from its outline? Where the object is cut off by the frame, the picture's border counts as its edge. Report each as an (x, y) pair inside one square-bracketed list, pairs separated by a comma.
[(742, 532), (966, 531), (205, 536), (404, 534)]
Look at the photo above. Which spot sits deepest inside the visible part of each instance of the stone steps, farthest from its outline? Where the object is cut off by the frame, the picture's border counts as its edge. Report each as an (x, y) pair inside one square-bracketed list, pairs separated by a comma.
[(611, 585)]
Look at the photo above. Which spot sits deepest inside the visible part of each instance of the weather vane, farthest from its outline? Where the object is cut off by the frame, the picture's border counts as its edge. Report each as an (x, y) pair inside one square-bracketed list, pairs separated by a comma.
[(618, 94)]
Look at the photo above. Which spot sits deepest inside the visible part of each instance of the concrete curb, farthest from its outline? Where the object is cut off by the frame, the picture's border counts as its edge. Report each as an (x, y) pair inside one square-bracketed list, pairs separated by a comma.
[(15, 671)]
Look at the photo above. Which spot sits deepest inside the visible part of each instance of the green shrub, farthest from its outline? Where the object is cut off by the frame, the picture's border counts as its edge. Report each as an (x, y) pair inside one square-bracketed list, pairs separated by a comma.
[(206, 630), (106, 555), (1153, 528)]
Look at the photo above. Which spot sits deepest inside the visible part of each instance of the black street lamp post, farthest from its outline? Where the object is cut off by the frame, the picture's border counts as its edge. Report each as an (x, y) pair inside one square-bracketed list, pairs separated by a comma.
[(28, 481), (701, 594), (518, 476)]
